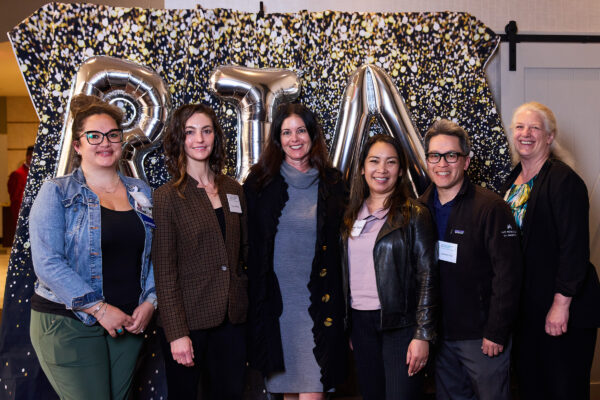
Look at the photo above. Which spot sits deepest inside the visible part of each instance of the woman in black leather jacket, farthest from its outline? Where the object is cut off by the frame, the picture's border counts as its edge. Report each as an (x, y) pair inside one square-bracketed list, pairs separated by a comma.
[(390, 275)]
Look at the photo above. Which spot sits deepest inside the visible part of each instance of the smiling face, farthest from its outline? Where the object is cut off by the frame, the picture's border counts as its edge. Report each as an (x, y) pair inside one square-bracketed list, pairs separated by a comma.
[(199, 138), (447, 177), (531, 139), (381, 169), (103, 155), (295, 140)]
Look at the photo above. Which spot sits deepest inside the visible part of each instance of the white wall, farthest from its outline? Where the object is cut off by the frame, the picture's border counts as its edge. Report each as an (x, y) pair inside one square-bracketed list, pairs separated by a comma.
[(556, 16)]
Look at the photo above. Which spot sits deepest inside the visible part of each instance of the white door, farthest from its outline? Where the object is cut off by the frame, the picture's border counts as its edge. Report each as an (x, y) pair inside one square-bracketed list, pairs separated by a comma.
[(566, 78)]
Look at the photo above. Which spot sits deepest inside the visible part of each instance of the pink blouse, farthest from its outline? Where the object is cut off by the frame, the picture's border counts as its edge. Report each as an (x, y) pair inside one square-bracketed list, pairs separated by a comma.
[(363, 285)]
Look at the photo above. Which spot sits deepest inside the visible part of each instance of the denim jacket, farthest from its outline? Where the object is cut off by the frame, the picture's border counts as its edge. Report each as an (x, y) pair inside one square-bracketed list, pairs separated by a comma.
[(64, 229)]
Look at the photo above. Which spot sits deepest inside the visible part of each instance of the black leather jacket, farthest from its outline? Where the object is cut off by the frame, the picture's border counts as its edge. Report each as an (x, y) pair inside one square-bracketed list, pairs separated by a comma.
[(406, 270)]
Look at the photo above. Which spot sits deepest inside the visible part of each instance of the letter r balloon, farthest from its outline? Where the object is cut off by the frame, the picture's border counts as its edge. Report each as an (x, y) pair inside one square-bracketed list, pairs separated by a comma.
[(139, 91), (256, 94), (371, 92)]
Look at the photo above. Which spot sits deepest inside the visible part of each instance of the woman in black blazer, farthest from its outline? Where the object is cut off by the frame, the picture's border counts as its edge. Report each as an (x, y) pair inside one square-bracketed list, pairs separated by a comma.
[(560, 313), (296, 307)]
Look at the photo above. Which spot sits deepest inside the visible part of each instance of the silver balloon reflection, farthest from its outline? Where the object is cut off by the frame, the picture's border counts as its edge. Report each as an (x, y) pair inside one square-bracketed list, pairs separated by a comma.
[(139, 91), (256, 93), (371, 92)]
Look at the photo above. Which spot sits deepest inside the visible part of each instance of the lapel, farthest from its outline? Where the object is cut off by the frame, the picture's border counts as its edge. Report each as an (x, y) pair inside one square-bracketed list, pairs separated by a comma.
[(386, 229), (229, 217), (206, 207), (322, 196), (390, 226), (533, 199)]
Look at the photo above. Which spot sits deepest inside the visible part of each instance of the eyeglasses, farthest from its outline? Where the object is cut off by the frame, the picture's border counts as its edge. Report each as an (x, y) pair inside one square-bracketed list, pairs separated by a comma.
[(96, 137), (451, 157)]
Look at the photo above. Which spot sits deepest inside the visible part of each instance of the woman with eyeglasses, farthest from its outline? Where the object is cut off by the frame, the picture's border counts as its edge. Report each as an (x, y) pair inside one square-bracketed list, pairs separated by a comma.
[(91, 233), (559, 310)]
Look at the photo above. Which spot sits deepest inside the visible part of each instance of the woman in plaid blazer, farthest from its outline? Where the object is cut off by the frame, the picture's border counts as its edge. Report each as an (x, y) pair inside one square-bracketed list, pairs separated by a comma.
[(198, 253)]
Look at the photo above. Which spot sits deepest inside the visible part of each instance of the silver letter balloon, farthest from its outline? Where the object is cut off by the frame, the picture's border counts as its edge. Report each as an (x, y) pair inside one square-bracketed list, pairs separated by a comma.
[(256, 93), (371, 92), (139, 91)]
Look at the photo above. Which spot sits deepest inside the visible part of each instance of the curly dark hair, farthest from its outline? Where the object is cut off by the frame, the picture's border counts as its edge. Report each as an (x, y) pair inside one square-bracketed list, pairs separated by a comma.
[(174, 144)]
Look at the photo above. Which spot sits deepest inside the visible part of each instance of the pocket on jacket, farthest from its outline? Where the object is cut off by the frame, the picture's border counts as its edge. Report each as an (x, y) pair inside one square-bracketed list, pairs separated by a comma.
[(75, 212)]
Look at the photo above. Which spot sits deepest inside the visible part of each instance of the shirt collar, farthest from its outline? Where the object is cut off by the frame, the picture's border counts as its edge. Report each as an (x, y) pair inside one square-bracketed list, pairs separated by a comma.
[(364, 213), (436, 201)]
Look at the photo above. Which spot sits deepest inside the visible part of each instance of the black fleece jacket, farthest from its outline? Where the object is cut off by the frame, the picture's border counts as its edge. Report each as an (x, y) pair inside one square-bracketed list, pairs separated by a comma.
[(480, 292)]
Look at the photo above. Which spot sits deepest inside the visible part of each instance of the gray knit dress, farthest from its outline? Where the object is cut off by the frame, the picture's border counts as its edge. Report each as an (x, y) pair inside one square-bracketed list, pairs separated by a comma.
[(294, 252)]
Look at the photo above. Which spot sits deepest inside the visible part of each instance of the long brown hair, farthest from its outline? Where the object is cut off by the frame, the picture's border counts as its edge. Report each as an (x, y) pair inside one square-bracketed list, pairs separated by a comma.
[(270, 160), (84, 106), (359, 190), (174, 144)]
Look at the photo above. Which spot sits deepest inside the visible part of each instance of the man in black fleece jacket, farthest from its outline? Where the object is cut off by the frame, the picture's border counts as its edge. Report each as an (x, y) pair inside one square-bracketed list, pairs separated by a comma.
[(480, 272)]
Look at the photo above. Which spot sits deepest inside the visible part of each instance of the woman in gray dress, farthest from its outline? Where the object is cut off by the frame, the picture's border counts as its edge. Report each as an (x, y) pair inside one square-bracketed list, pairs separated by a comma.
[(295, 205)]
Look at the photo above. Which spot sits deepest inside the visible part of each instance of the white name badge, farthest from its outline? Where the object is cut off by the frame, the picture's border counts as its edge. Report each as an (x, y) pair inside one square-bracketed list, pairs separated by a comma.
[(143, 210), (141, 199), (447, 251), (358, 227), (234, 203)]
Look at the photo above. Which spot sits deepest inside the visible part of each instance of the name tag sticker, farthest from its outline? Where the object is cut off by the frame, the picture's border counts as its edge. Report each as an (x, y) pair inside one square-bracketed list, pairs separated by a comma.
[(234, 203), (447, 251), (147, 211), (358, 227), (141, 199)]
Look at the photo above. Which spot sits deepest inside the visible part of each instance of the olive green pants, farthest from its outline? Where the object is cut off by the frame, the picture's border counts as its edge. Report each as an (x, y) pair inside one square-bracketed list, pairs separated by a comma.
[(84, 362)]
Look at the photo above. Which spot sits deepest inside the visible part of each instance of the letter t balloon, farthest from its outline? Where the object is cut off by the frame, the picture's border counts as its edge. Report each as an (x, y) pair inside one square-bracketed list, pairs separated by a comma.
[(256, 93)]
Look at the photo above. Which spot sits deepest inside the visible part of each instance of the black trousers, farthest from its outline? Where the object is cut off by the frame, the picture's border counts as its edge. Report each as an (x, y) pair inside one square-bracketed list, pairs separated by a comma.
[(220, 353), (554, 367), (381, 359)]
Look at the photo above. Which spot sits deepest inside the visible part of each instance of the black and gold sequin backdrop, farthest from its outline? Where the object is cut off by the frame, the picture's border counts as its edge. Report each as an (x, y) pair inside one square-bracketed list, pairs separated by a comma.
[(436, 60)]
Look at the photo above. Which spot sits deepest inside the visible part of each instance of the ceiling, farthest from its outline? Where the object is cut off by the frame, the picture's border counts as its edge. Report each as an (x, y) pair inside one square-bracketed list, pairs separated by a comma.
[(11, 80)]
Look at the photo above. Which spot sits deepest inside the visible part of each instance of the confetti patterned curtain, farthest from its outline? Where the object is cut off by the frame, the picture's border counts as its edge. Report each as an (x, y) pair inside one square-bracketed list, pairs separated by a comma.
[(436, 60)]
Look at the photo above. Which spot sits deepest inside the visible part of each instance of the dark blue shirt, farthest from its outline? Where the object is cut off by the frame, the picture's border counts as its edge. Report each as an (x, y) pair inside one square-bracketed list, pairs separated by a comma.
[(441, 213)]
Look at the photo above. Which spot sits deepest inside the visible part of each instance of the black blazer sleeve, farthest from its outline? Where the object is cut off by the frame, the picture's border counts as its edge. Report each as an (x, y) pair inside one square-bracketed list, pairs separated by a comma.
[(504, 248), (569, 205)]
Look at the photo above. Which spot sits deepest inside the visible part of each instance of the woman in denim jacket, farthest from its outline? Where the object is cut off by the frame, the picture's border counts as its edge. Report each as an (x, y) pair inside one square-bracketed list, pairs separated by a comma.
[(91, 235)]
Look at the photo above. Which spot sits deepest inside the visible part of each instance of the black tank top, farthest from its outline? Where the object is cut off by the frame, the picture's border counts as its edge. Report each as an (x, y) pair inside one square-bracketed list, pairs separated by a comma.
[(122, 242), (123, 239)]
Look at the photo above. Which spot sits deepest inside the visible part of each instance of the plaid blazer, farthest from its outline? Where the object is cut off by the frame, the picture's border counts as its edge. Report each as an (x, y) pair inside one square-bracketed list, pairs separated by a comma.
[(200, 278)]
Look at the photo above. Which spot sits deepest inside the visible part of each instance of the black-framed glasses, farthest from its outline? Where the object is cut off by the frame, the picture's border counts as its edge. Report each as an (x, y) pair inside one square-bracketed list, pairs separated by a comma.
[(451, 157), (96, 137)]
